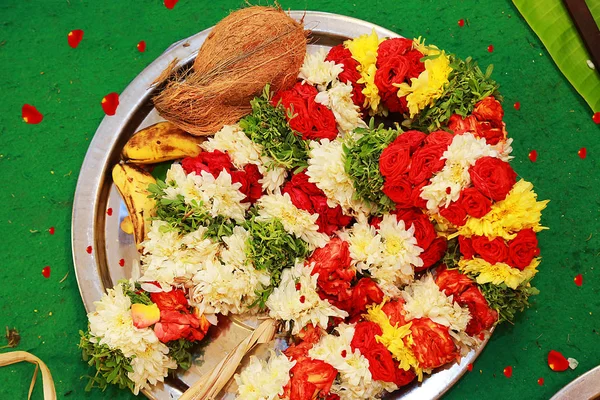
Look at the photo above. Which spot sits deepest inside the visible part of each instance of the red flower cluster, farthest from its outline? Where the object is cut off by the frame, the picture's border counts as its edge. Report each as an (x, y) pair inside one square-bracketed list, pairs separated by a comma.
[(518, 252), (334, 283), (485, 122), (307, 196), (313, 120), (397, 62), (176, 320), (466, 293), (216, 161), (341, 55)]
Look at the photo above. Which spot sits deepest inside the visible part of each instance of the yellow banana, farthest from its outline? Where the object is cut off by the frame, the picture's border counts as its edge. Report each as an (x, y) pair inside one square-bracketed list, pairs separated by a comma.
[(132, 183), (161, 142)]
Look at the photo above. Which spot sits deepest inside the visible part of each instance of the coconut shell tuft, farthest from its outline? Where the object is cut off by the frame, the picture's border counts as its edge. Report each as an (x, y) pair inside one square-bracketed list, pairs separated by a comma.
[(247, 50)]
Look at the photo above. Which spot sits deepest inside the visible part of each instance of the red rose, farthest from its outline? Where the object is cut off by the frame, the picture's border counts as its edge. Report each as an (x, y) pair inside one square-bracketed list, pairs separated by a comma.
[(210, 161), (433, 253), (466, 247), (492, 135), (332, 263), (433, 345), (493, 177), (366, 292), (394, 160), (403, 377), (253, 176), (381, 363), (301, 180), (452, 282), (441, 138), (395, 104), (364, 336), (309, 379), (399, 189), (474, 203), (482, 316), (307, 338), (455, 213), (392, 48), (324, 125), (395, 312), (424, 229), (425, 162), (174, 300), (305, 90), (460, 125), (297, 113), (522, 249), (300, 199), (489, 109), (416, 66), (492, 251), (174, 325), (341, 55), (389, 72), (417, 200), (412, 138)]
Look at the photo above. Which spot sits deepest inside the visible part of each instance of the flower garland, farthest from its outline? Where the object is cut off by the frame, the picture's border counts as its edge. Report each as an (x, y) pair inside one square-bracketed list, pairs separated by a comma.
[(386, 252)]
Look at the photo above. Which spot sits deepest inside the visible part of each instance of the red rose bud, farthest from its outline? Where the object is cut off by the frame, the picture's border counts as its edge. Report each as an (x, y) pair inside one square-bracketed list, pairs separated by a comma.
[(31, 115), (557, 362), (508, 371), (74, 37), (394, 160), (523, 248), (141, 46), (493, 251), (110, 102), (475, 204), (493, 177), (578, 280)]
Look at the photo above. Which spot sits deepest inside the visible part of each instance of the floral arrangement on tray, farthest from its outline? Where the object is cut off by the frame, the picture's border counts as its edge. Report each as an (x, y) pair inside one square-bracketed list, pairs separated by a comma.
[(368, 205)]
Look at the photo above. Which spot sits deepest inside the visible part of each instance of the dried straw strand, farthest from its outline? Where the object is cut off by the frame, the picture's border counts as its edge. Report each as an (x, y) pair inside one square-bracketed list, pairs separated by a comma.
[(14, 357)]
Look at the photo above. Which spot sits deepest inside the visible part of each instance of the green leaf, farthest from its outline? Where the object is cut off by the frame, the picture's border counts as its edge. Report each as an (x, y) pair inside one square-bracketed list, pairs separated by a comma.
[(550, 20)]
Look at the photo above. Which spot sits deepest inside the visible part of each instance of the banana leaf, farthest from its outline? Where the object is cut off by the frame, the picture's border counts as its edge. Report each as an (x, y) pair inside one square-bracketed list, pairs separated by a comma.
[(551, 21)]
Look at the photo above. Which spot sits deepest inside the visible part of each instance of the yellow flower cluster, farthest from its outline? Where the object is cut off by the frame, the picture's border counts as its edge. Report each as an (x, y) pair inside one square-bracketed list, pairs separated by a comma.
[(394, 337), (424, 90), (364, 50), (498, 273), (519, 210)]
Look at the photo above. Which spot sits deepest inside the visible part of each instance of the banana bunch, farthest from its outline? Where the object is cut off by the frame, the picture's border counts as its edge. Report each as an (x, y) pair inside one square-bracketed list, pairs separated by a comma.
[(132, 183), (161, 142)]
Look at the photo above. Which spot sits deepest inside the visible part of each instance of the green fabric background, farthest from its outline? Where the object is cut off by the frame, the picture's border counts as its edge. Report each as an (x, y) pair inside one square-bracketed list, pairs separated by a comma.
[(39, 165)]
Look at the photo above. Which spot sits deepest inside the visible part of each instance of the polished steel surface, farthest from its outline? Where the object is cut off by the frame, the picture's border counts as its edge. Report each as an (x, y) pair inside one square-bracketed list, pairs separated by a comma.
[(95, 193), (586, 387)]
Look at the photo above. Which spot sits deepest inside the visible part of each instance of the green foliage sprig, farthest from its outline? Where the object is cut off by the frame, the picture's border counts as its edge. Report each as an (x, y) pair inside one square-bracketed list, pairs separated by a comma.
[(506, 301), (180, 351), (466, 86), (362, 164), (267, 126)]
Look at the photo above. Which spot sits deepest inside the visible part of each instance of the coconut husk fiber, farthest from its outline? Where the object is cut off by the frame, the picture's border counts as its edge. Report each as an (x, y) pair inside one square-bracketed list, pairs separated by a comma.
[(247, 50)]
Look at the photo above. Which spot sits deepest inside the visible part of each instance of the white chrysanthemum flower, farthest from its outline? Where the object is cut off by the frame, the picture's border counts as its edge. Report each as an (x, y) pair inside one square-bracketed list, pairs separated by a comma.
[(326, 170), (464, 342), (264, 380), (170, 258), (295, 221), (425, 300), (318, 72), (463, 152), (375, 390), (504, 148), (243, 151), (151, 367), (339, 100), (303, 305), (364, 244)]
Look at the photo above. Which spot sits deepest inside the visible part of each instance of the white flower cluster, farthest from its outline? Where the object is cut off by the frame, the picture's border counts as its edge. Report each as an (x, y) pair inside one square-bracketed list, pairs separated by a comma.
[(112, 325), (389, 253), (335, 95), (243, 151), (295, 221), (463, 152), (264, 380), (296, 300), (326, 170), (219, 196)]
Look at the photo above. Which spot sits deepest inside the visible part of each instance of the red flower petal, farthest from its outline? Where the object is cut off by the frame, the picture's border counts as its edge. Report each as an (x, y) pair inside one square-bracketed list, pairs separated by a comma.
[(109, 212), (170, 3), (31, 115), (46, 272), (122, 262), (461, 22), (582, 153), (110, 102), (141, 46), (51, 230), (596, 117), (517, 106), (89, 249), (578, 280), (541, 381), (74, 37), (557, 362), (533, 155), (491, 48), (470, 367), (508, 371)]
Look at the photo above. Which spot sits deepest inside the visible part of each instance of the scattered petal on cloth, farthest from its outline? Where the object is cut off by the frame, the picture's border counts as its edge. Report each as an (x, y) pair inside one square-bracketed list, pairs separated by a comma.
[(170, 3), (31, 115), (74, 37), (557, 362), (573, 363), (578, 280), (508, 371), (110, 102)]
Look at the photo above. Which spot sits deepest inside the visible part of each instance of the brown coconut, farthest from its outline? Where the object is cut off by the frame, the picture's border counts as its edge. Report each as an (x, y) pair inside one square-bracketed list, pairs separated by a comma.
[(247, 50)]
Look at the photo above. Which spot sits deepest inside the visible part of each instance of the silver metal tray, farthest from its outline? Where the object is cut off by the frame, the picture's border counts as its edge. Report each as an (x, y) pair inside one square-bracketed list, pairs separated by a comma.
[(95, 194)]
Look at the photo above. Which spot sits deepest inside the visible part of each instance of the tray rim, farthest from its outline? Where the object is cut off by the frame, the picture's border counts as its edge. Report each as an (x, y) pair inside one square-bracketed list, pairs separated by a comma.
[(93, 178)]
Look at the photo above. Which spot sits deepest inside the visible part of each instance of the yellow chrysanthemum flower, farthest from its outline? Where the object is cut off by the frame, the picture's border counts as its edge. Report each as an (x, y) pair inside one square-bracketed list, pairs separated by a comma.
[(424, 90), (364, 50), (392, 338), (519, 210), (498, 273)]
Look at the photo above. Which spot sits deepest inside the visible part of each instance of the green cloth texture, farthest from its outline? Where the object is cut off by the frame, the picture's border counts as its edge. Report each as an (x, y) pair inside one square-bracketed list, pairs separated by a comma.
[(552, 23), (39, 165)]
